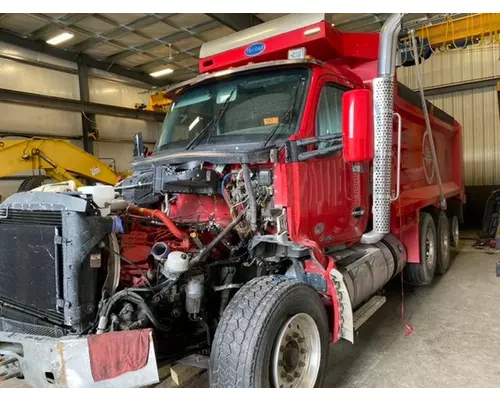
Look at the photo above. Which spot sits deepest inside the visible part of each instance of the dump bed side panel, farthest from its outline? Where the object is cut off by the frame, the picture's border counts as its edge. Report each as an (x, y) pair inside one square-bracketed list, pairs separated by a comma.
[(418, 182)]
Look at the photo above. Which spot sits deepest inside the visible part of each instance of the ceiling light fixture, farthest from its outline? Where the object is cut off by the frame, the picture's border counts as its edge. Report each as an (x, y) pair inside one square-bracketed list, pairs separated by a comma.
[(161, 72), (63, 37)]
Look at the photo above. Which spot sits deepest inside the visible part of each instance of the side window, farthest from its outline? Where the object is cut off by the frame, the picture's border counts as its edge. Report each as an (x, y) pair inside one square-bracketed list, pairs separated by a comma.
[(329, 115)]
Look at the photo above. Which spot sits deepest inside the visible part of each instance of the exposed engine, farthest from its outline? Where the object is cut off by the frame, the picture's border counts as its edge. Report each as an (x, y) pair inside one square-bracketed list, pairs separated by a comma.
[(168, 252), (171, 260)]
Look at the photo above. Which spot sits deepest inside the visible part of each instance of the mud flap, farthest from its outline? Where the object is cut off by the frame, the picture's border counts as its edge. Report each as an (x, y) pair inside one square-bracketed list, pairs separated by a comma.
[(346, 323)]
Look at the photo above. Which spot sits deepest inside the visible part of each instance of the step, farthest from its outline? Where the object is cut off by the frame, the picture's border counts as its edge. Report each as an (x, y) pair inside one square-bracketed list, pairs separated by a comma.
[(367, 310)]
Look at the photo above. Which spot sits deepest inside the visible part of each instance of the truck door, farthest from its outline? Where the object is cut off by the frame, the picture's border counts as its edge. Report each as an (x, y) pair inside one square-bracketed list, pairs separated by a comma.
[(332, 196)]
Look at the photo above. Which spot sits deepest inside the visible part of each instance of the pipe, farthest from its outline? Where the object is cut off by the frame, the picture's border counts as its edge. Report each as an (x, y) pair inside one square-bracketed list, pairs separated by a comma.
[(251, 197), (163, 218), (160, 251), (194, 261), (388, 49), (383, 113)]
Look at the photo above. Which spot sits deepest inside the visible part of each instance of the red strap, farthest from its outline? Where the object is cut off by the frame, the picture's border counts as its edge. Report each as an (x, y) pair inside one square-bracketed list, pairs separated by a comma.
[(407, 326)]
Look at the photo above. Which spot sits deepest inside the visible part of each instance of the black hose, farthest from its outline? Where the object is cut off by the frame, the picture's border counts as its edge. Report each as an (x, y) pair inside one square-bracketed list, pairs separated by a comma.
[(207, 329), (152, 288), (251, 197), (134, 298), (202, 254)]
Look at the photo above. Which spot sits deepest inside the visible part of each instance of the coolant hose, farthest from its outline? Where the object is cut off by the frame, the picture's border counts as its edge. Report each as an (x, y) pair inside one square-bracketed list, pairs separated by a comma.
[(157, 214)]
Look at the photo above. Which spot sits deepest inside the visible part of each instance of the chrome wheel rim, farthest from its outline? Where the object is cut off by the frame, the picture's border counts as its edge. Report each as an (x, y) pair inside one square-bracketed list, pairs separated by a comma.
[(455, 231), (430, 249), (296, 353), (445, 237)]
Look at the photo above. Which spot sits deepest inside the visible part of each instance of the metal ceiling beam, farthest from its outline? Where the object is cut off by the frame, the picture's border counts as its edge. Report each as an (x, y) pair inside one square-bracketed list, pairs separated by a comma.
[(237, 22), (115, 33), (57, 103), (156, 63), (56, 25), (167, 39), (42, 47)]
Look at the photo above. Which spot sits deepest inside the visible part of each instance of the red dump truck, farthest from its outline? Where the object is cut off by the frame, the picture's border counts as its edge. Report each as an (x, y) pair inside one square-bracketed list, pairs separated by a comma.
[(294, 178)]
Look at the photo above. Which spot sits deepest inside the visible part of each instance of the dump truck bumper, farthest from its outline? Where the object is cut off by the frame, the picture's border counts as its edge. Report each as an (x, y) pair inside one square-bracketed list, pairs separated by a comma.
[(66, 362)]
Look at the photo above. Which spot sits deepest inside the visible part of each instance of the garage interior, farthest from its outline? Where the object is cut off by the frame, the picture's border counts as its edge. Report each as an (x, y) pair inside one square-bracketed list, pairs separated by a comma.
[(95, 81)]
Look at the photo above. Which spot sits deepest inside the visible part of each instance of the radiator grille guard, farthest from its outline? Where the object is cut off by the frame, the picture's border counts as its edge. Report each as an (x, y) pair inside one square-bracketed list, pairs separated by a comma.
[(46, 283)]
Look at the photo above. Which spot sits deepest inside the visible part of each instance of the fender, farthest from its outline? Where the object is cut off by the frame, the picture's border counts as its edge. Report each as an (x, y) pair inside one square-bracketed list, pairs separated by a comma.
[(346, 323), (342, 320)]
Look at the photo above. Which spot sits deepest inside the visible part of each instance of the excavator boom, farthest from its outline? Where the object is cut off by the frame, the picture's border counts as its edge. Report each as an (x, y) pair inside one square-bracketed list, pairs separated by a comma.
[(61, 161)]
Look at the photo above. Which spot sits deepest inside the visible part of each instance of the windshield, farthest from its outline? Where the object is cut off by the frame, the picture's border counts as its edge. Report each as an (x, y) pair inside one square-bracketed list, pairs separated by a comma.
[(242, 109)]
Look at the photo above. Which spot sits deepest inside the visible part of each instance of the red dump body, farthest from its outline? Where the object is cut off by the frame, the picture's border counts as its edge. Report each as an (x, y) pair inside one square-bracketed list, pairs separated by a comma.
[(322, 194)]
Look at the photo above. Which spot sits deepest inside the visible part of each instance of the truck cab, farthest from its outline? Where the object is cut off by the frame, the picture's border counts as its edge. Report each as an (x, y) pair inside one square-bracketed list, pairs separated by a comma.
[(290, 184)]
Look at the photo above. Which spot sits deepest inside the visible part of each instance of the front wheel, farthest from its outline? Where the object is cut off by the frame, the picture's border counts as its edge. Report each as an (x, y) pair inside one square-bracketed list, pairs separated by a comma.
[(273, 333)]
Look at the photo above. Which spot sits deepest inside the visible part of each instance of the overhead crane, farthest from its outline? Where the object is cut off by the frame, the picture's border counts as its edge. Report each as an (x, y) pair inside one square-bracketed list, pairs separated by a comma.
[(473, 29)]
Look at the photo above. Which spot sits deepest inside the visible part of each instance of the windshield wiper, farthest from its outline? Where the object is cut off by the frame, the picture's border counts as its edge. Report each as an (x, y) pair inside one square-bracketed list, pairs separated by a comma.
[(288, 113), (213, 122)]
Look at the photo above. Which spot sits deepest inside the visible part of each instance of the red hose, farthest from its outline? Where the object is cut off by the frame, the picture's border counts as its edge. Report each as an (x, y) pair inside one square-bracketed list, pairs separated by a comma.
[(163, 218)]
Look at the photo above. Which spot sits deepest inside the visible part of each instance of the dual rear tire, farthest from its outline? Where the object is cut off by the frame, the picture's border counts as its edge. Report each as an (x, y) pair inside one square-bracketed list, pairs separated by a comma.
[(437, 234)]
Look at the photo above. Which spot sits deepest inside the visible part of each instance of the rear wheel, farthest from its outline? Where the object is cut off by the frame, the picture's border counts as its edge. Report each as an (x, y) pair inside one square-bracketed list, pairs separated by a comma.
[(273, 333), (423, 272), (454, 231), (443, 240)]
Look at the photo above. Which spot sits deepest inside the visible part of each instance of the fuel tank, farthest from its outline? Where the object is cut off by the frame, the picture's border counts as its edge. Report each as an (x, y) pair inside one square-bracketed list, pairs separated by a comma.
[(367, 268)]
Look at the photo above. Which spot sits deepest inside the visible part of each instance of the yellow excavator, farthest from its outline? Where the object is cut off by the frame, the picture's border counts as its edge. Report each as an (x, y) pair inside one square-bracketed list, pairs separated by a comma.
[(53, 159)]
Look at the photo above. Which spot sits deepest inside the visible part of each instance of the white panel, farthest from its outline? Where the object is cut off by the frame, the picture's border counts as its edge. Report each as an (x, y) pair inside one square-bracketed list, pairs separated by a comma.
[(477, 111), (121, 128), (15, 75), (8, 187), (122, 153), (454, 66), (115, 93), (26, 119), (98, 73), (19, 52)]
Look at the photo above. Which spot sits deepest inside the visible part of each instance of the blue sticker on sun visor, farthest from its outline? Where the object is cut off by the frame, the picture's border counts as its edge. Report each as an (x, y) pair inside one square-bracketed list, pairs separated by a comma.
[(255, 49)]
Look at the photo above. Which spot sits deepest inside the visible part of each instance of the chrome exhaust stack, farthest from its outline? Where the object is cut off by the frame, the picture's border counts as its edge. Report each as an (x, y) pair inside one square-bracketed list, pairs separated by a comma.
[(383, 114)]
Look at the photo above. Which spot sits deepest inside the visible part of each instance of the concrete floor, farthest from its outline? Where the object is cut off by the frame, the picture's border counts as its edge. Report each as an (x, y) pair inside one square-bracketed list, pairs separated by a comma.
[(455, 340), (456, 333)]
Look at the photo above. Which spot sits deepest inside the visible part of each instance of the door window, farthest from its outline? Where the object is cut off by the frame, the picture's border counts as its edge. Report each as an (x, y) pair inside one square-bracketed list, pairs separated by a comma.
[(329, 115)]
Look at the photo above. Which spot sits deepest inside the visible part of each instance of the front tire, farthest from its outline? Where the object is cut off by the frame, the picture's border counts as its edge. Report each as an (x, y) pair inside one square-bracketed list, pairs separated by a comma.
[(273, 333)]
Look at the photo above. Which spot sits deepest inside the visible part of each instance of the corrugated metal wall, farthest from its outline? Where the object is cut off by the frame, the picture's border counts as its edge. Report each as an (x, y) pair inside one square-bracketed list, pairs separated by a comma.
[(116, 134), (477, 110)]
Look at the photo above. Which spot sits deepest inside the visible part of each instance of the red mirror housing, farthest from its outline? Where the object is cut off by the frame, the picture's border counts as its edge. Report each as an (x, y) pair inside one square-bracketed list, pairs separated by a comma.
[(357, 125)]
